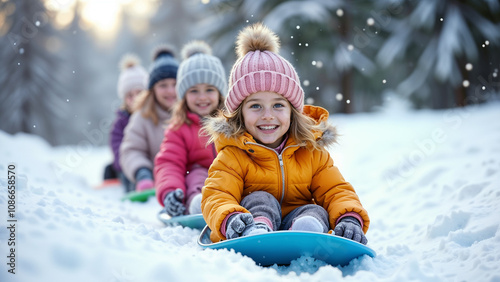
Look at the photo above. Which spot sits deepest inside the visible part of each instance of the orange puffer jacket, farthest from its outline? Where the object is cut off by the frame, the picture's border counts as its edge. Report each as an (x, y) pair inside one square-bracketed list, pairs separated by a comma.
[(296, 177)]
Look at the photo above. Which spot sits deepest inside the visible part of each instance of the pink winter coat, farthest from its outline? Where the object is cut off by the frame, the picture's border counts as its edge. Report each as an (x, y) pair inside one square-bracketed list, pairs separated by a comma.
[(181, 150)]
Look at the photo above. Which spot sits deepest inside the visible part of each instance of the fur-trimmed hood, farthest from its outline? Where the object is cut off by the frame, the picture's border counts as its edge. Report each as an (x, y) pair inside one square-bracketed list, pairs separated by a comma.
[(223, 133)]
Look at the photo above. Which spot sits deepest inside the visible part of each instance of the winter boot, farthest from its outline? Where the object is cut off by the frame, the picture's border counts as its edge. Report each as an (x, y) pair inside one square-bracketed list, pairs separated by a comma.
[(195, 205), (307, 223)]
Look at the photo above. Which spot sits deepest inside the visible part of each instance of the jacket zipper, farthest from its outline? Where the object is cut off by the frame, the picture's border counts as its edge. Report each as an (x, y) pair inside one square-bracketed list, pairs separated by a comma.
[(282, 166)]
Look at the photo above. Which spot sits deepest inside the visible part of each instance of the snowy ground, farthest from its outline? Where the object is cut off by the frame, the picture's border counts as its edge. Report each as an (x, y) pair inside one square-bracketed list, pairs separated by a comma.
[(430, 181)]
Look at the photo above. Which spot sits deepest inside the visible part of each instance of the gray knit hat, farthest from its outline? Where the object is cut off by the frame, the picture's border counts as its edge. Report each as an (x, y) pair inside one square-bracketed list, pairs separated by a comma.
[(200, 66)]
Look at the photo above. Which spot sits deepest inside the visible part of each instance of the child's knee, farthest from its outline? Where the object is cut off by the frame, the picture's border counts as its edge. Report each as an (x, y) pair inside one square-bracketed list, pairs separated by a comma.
[(262, 197)]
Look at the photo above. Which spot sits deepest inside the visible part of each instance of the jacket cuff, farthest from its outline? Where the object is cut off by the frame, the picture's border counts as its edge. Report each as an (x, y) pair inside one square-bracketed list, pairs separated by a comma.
[(353, 214), (143, 173), (224, 222)]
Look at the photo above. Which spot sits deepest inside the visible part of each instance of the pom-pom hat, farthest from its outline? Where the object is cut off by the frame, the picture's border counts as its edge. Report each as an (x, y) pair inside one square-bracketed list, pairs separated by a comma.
[(164, 65), (260, 68), (132, 76), (199, 66)]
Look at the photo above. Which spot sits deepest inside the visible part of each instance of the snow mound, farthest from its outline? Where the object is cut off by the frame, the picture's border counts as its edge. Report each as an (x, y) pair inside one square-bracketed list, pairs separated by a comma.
[(429, 180)]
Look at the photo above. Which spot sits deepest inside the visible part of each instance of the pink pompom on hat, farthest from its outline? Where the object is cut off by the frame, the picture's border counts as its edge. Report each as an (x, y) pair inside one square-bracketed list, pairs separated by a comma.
[(260, 68)]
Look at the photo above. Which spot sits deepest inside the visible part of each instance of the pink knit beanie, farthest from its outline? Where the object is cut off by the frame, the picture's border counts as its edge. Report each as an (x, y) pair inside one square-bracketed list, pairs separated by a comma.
[(260, 68)]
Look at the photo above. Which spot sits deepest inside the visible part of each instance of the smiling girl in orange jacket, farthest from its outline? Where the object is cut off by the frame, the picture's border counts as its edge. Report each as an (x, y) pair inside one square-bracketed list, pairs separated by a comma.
[(272, 171)]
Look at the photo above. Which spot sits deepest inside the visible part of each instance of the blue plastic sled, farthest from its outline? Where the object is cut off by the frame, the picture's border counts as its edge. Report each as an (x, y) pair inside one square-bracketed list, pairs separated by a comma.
[(195, 221), (282, 247)]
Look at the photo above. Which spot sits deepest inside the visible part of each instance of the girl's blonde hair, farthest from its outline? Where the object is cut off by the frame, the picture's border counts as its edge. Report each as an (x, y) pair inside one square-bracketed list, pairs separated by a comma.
[(146, 102), (180, 109), (302, 127)]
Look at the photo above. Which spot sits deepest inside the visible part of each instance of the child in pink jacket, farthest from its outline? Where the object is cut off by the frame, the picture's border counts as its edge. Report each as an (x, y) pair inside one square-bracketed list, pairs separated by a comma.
[(181, 165)]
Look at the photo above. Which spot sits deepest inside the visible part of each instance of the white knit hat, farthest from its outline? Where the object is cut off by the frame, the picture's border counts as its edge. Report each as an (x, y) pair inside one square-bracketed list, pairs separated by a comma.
[(132, 76), (200, 66)]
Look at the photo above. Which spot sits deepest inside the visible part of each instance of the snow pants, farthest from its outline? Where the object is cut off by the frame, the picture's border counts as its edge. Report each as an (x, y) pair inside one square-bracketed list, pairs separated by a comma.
[(261, 203), (195, 180)]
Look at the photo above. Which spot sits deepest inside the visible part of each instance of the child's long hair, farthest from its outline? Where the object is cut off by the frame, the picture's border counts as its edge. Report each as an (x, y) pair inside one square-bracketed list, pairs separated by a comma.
[(302, 127), (180, 109), (146, 102)]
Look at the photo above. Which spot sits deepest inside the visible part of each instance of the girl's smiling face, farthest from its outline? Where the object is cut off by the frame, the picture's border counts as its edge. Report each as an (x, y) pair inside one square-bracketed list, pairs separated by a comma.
[(202, 99), (130, 98), (267, 117), (165, 94)]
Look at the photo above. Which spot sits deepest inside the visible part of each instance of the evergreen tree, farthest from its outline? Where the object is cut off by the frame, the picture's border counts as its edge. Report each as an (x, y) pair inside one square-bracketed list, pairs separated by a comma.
[(315, 36), (440, 42), (31, 96)]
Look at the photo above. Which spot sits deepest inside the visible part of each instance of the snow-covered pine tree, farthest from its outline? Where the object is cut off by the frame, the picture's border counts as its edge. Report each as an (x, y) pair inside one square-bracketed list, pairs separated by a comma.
[(439, 39), (31, 94), (313, 37)]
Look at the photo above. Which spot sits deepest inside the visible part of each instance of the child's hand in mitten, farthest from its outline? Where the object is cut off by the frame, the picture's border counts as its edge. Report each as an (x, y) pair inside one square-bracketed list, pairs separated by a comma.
[(144, 184), (173, 203), (237, 224), (350, 228)]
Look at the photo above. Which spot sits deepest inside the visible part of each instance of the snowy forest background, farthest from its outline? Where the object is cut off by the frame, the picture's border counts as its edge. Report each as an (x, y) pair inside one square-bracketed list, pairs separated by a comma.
[(59, 58)]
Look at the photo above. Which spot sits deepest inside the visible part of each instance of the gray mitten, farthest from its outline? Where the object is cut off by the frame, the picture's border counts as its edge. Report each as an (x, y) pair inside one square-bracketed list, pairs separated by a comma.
[(173, 203), (350, 228), (237, 224)]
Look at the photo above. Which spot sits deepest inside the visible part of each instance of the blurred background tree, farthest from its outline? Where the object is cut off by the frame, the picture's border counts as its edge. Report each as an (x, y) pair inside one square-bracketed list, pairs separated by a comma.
[(32, 92), (60, 57)]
